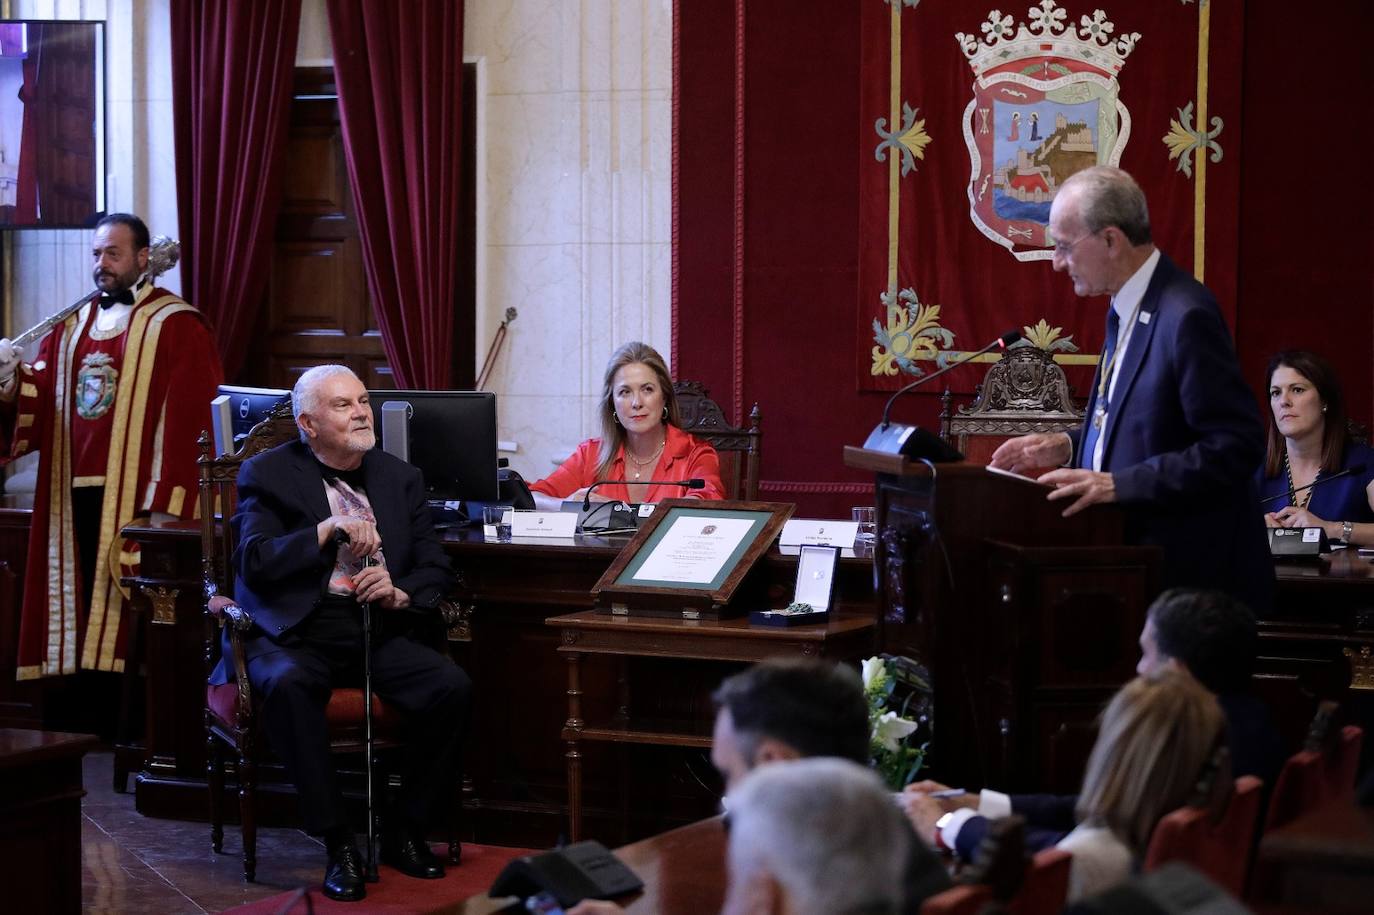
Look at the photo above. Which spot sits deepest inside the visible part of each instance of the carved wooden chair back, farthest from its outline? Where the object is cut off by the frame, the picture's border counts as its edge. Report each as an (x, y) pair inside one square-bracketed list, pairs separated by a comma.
[(218, 495), (739, 447), (1024, 391)]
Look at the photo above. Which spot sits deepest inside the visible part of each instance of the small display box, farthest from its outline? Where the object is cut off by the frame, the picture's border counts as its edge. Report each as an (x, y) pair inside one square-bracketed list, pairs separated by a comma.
[(814, 592), (689, 559)]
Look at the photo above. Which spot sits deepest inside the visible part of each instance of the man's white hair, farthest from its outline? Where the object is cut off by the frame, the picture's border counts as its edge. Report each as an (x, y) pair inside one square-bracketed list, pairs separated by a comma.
[(827, 830), (305, 395)]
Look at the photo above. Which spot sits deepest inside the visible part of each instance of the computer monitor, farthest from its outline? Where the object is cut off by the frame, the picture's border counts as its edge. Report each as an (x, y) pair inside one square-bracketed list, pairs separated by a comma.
[(449, 435), (237, 410)]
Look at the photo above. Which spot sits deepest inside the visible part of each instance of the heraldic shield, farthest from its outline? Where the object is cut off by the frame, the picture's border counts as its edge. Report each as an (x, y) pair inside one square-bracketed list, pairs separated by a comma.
[(1044, 106)]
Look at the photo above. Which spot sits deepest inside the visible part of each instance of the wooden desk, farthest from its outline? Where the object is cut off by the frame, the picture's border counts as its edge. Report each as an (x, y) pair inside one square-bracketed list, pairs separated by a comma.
[(683, 872), (40, 818), (590, 632), (1324, 860)]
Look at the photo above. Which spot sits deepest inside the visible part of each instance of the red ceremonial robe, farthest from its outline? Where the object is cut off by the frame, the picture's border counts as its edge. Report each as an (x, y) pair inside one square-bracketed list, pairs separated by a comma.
[(163, 380)]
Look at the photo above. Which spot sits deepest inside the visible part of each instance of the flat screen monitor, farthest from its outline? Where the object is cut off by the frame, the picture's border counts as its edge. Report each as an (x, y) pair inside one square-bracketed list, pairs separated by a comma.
[(237, 410), (449, 435), (52, 124)]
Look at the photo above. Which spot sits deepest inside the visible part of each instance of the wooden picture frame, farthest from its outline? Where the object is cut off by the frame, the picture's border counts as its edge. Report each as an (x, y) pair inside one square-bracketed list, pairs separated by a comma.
[(625, 590)]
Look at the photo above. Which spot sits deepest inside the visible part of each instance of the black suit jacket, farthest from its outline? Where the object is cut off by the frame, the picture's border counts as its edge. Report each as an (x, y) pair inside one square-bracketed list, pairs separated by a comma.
[(1183, 442), (281, 570)]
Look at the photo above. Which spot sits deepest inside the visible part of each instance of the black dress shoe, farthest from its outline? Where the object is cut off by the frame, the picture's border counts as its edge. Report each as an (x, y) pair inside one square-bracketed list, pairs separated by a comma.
[(409, 853), (343, 875)]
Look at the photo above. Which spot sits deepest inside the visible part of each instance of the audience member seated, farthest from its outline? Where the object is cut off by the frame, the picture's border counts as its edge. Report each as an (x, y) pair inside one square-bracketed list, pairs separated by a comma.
[(1159, 735), (1208, 634), (641, 439), (785, 710), (324, 524), (1213, 636), (817, 837), (1308, 441)]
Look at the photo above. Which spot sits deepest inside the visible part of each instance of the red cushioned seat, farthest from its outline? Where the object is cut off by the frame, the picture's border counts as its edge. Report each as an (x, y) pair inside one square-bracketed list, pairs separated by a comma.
[(1220, 850)]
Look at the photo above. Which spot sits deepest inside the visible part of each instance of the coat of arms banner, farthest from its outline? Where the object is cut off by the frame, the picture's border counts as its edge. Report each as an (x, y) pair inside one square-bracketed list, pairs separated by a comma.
[(971, 117)]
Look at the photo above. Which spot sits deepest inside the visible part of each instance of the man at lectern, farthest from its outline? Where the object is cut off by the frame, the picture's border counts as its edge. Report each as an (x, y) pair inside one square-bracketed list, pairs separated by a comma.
[(1172, 432)]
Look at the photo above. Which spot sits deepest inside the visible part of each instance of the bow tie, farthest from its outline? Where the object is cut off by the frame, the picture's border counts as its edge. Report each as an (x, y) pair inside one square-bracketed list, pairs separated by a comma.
[(123, 297)]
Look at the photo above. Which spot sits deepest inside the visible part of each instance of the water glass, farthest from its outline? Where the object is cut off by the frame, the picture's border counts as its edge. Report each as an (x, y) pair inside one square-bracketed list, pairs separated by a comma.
[(867, 518), (496, 522)]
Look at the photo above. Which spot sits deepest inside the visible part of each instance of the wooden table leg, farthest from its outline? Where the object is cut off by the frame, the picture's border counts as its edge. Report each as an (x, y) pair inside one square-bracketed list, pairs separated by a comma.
[(572, 730)]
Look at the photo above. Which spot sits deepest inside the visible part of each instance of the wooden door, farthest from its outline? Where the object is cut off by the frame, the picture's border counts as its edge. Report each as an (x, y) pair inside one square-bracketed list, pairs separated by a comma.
[(317, 307)]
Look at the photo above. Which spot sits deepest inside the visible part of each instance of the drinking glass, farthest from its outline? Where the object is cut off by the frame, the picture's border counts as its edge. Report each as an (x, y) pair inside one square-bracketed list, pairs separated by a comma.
[(496, 522), (867, 518)]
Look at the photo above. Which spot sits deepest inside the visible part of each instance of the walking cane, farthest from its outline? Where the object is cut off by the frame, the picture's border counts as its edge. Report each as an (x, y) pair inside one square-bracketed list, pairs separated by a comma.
[(370, 872), (370, 866)]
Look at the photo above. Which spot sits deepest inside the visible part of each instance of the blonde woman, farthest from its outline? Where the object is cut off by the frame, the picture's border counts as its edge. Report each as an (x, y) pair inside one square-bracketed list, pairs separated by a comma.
[(1159, 738), (1159, 742), (641, 440)]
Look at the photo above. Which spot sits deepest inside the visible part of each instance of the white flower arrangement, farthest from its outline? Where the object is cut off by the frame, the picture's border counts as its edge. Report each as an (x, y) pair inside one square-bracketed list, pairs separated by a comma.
[(890, 730)]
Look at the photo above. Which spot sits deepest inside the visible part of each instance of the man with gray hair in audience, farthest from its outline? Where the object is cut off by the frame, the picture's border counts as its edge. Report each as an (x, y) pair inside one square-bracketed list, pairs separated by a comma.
[(816, 836)]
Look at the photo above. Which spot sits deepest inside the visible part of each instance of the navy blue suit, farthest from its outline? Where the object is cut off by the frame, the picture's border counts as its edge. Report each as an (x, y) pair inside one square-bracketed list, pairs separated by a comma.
[(303, 643), (1183, 441)]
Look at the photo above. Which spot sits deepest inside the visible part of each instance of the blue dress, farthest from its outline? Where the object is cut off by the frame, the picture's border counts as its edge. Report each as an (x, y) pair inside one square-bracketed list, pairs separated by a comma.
[(1345, 499)]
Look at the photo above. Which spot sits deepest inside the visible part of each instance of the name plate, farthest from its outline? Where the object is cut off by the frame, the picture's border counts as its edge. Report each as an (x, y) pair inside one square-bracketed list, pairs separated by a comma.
[(801, 531), (543, 524)]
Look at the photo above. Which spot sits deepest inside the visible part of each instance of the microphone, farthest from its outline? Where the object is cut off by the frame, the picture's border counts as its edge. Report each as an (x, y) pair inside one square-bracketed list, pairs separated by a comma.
[(694, 483), (1352, 470), (896, 438), (341, 536)]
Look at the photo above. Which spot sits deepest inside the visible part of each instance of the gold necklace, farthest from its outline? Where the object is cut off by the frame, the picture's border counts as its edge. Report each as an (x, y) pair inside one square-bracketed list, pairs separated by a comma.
[(1293, 499), (647, 462)]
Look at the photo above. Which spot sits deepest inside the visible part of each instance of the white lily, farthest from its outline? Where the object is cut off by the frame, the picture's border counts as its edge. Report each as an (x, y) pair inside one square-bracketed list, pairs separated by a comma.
[(874, 674), (891, 729)]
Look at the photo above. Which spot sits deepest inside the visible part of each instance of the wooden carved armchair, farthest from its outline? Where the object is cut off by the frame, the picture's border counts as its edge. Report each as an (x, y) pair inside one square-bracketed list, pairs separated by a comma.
[(1025, 391), (231, 709), (739, 447)]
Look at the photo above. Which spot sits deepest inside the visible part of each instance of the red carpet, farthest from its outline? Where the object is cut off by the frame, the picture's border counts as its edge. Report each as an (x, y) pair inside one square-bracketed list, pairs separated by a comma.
[(398, 893)]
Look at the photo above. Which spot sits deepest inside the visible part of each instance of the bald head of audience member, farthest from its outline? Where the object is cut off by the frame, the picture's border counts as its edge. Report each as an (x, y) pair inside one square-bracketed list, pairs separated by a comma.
[(816, 837), (786, 710)]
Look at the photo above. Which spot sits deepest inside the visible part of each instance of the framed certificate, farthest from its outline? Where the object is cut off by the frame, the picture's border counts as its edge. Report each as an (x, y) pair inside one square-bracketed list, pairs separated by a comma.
[(689, 558)]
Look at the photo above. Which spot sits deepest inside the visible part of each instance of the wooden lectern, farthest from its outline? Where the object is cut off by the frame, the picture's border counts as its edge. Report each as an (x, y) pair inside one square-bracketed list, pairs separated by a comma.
[(1028, 621)]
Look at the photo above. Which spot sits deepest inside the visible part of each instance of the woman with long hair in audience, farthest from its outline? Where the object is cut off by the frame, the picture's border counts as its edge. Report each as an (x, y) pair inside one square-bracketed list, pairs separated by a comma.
[(641, 439), (1309, 443), (1159, 743), (1161, 746)]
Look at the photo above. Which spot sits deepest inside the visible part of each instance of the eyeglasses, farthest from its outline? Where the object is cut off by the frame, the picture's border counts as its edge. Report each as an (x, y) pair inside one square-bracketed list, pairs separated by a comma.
[(1063, 250)]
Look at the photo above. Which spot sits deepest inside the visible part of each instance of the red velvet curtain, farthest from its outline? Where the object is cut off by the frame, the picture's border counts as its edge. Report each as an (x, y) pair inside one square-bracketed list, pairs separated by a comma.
[(399, 68), (26, 190), (232, 70)]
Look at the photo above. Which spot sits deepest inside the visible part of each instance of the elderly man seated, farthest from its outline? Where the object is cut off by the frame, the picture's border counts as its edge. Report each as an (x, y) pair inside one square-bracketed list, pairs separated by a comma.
[(323, 525)]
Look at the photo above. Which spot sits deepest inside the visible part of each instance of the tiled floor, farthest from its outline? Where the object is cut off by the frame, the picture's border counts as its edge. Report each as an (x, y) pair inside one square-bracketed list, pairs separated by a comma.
[(132, 863)]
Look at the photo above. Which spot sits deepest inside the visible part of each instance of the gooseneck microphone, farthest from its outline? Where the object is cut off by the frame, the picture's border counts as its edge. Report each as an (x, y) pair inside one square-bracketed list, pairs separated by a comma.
[(913, 441), (1001, 342), (694, 483), (1352, 470)]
